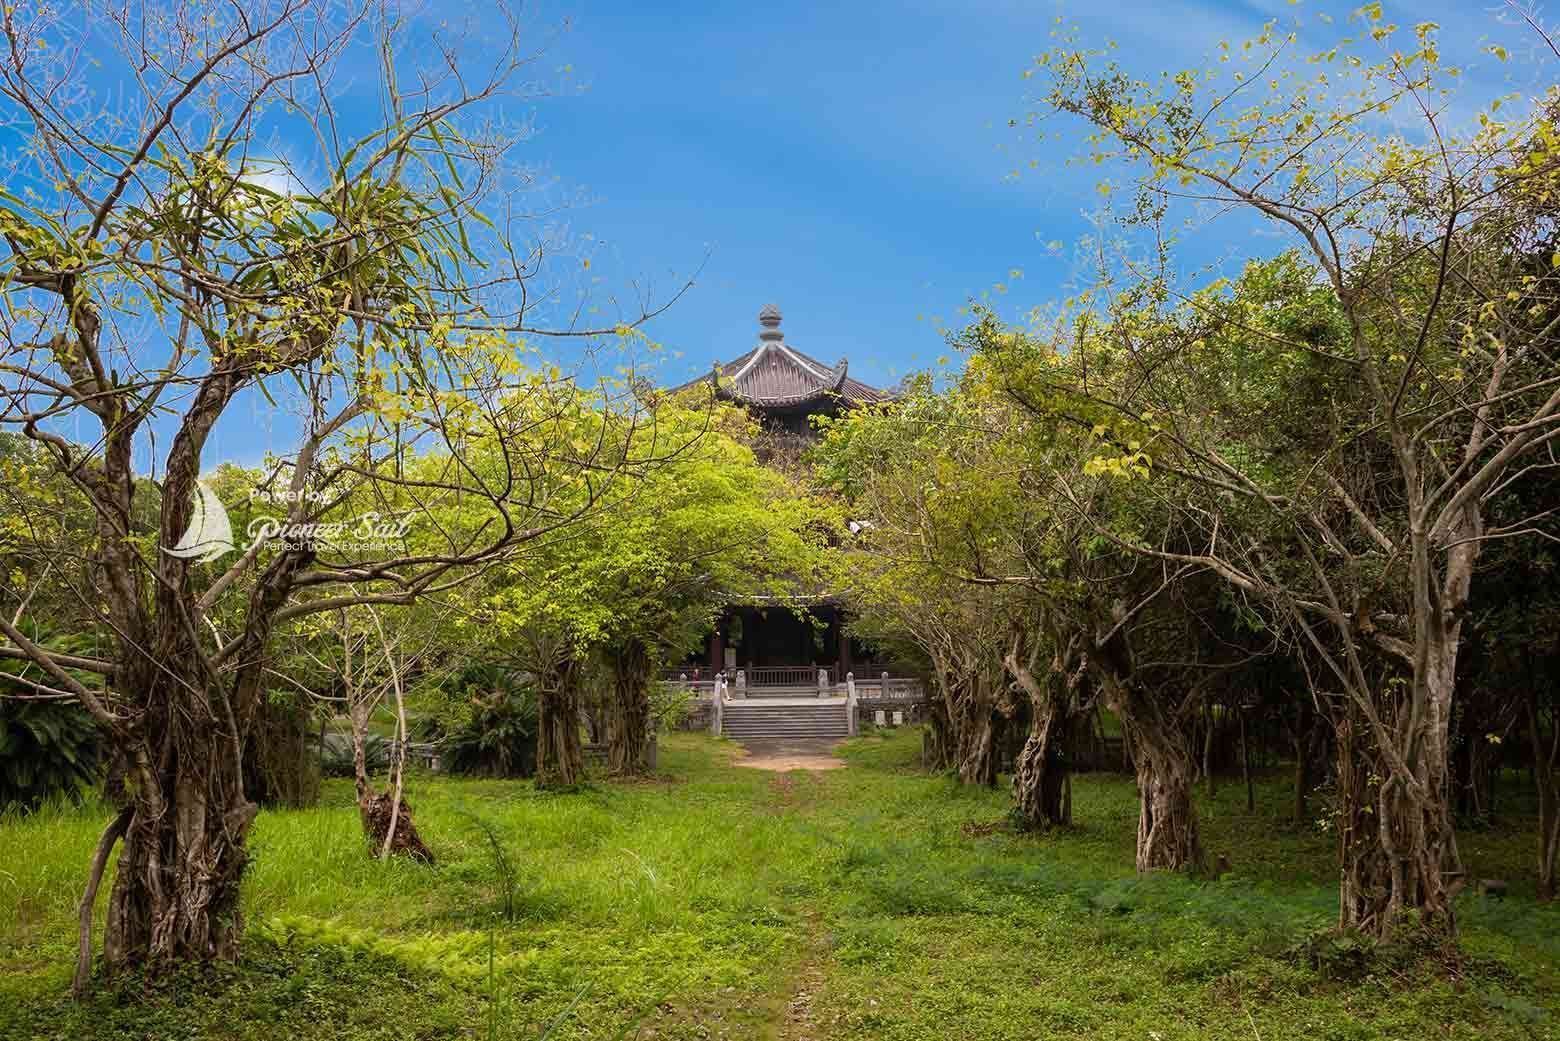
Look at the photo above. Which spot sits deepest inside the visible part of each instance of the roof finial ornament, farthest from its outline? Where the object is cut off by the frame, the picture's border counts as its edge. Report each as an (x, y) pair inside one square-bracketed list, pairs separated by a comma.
[(769, 321)]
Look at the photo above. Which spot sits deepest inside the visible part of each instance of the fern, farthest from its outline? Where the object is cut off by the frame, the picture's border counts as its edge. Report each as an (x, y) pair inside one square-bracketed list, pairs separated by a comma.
[(47, 748), (498, 738)]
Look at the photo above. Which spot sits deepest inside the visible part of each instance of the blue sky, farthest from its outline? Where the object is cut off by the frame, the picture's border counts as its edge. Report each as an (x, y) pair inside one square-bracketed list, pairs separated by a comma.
[(848, 161)]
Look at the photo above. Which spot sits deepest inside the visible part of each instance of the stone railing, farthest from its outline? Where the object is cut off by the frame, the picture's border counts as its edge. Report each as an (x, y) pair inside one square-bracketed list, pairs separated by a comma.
[(695, 715), (418, 753), (826, 678), (690, 675), (898, 700), (897, 688), (887, 712), (884, 702), (782, 675)]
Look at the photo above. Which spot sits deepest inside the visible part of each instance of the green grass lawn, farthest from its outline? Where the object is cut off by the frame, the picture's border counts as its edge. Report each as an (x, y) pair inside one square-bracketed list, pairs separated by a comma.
[(870, 902)]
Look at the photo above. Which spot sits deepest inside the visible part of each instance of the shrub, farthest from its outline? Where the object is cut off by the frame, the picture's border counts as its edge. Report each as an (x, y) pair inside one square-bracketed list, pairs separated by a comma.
[(336, 755), (46, 748), (498, 737), (669, 705)]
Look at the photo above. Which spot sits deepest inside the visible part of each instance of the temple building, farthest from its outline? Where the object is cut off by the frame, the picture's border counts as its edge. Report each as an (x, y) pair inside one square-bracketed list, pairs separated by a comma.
[(777, 644), (783, 386)]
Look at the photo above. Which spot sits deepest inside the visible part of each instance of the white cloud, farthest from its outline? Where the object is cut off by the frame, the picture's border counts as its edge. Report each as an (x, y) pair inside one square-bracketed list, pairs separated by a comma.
[(274, 175)]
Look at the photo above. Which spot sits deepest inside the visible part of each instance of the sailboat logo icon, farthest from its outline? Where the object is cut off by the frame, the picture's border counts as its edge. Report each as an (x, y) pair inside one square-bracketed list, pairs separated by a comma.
[(210, 533)]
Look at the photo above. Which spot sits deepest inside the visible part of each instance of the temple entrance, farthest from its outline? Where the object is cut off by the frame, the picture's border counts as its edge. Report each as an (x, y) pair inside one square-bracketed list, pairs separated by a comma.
[(771, 637), (775, 636), (775, 645)]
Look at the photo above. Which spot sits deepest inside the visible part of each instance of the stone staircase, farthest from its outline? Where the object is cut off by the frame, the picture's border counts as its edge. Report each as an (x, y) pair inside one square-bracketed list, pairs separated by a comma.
[(790, 719)]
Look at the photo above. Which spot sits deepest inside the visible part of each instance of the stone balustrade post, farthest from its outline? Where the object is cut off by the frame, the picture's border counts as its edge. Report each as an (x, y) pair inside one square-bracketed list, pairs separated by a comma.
[(823, 683), (741, 683), (850, 703)]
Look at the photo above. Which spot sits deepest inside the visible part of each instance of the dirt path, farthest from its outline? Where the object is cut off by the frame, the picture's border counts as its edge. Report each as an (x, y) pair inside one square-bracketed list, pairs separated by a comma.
[(796, 1021), (782, 756)]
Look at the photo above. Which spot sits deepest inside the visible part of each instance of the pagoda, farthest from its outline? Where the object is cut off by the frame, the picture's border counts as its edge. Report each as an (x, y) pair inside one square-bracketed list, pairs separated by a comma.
[(772, 644), (783, 387)]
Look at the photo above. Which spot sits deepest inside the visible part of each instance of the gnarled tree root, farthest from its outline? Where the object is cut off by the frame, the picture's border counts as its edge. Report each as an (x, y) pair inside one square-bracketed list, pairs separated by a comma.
[(377, 809), (111, 835)]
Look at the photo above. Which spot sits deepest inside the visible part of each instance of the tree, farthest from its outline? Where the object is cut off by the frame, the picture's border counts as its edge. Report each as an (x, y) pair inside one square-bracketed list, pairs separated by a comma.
[(710, 525), (974, 550), (647, 579), (368, 661), (1060, 694), (915, 479), (159, 268), (1437, 321)]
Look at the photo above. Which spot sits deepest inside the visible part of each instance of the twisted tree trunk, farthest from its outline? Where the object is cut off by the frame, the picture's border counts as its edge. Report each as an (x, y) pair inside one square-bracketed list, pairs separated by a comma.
[(972, 711), (1167, 836), (386, 816), (628, 718), (1548, 783), (176, 888), (559, 757), (937, 738), (1397, 843), (388, 826), (1394, 837), (1041, 771), (1399, 857), (1040, 776), (175, 896)]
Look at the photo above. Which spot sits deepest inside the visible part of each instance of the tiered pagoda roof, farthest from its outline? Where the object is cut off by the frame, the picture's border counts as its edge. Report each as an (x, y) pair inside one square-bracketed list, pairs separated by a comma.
[(778, 376)]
